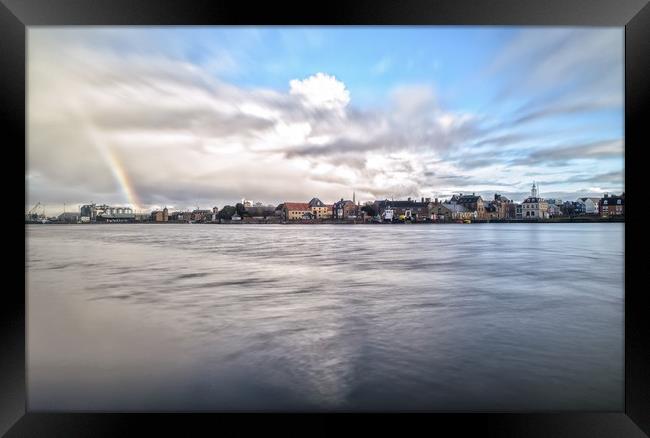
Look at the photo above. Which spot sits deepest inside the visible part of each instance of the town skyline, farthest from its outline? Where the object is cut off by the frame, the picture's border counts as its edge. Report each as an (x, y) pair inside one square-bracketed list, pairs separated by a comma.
[(500, 206), (186, 117), (71, 207)]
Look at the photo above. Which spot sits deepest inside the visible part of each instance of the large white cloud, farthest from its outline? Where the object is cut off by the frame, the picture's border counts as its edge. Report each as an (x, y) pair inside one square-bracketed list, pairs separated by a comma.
[(321, 91)]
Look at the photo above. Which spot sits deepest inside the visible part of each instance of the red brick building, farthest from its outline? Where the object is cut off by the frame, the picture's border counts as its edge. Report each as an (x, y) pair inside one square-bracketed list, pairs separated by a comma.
[(611, 205)]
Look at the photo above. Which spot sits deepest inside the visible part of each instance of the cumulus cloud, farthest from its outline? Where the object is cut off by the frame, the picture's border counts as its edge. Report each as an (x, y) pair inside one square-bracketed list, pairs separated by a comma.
[(321, 91)]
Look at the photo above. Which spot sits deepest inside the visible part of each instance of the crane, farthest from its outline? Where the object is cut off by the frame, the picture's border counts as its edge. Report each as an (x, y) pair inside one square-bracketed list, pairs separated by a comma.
[(33, 215), (33, 209)]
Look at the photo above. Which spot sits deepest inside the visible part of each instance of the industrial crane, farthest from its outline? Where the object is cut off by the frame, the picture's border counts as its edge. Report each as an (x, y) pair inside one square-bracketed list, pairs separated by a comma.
[(33, 215), (33, 209)]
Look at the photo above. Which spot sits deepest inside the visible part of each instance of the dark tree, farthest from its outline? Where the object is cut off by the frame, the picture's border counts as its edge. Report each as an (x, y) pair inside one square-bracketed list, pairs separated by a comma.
[(227, 212), (241, 210), (370, 210)]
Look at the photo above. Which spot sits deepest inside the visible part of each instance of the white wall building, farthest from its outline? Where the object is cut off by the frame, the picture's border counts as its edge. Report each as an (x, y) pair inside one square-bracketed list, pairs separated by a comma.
[(534, 207), (590, 207)]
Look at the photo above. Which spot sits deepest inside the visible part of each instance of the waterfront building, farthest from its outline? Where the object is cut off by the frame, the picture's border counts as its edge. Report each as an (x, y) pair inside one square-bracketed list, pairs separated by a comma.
[(579, 208), (519, 212), (504, 207), (534, 207), (105, 213), (490, 210), (160, 215), (447, 211), (410, 209), (201, 215), (570, 208), (611, 205), (69, 218), (511, 210), (293, 211), (587, 205), (180, 216), (596, 202), (345, 209), (554, 210), (472, 203), (186, 216), (320, 210)]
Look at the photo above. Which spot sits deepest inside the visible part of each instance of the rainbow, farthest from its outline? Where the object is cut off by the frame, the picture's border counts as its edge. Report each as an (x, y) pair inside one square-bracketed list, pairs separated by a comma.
[(122, 177), (115, 165)]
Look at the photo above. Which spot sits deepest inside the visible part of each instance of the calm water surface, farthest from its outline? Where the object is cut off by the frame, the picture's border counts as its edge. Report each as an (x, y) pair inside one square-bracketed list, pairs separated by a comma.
[(333, 317)]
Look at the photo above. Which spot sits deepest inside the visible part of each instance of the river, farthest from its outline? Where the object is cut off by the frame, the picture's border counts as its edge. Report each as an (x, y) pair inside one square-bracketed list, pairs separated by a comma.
[(480, 317)]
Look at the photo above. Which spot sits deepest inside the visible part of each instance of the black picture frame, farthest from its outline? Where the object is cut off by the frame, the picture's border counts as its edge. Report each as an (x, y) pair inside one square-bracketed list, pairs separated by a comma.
[(16, 15)]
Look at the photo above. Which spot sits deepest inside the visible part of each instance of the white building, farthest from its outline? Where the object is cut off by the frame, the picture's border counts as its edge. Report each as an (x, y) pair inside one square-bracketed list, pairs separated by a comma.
[(589, 206), (534, 207)]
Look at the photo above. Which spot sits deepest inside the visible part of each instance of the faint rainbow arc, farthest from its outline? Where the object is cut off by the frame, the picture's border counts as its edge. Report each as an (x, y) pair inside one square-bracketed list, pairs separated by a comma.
[(122, 177), (114, 164)]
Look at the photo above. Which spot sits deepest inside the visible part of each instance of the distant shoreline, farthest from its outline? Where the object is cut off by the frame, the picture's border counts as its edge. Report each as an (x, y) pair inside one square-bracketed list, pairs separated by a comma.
[(298, 222)]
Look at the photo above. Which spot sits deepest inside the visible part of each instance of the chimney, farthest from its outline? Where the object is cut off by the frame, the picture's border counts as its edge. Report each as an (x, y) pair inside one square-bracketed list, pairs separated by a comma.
[(409, 199)]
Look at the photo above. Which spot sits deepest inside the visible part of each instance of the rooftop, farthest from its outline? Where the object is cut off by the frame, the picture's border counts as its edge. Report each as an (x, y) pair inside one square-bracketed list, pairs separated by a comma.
[(299, 206), (315, 202)]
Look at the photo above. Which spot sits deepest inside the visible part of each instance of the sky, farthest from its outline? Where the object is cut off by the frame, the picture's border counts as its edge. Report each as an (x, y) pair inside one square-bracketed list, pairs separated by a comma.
[(207, 116)]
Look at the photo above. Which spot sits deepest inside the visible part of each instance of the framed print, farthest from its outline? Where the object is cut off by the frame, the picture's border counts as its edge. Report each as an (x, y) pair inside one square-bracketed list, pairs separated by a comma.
[(413, 208)]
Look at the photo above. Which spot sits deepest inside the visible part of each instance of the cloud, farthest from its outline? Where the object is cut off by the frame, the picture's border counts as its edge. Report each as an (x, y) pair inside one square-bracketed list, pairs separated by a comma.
[(615, 177), (184, 135), (559, 71), (564, 154), (321, 91)]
